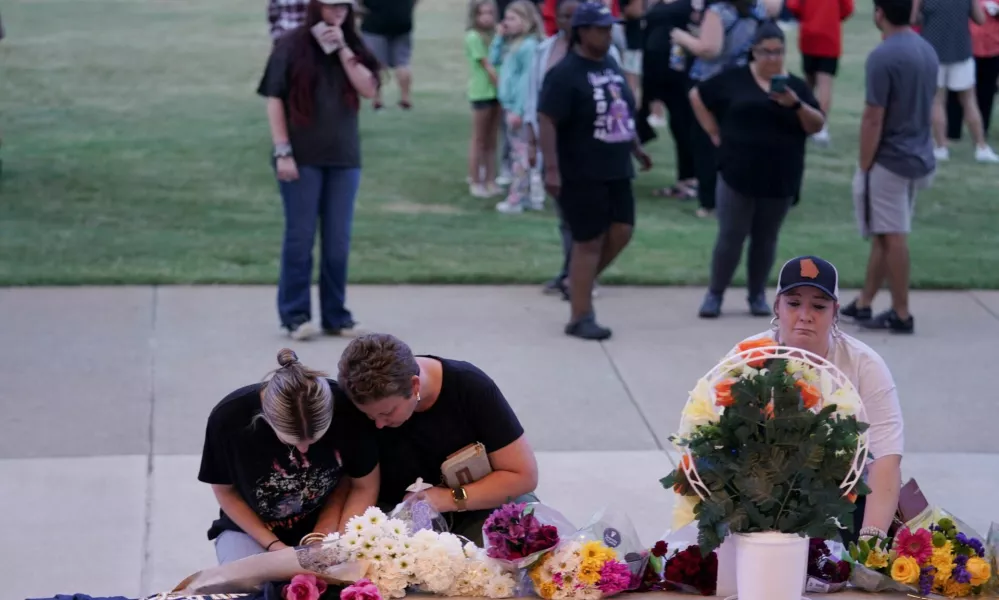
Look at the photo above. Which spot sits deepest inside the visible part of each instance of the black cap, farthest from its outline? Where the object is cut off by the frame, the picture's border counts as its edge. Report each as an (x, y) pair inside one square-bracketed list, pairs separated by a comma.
[(811, 271), (593, 14)]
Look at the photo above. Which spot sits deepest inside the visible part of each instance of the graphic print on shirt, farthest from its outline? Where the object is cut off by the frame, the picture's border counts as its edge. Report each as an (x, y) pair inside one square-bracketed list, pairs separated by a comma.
[(287, 495), (614, 123)]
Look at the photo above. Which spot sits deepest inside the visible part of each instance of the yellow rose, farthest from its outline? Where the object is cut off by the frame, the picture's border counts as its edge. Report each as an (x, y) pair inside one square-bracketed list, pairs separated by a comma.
[(877, 559), (683, 511), (979, 570), (905, 570), (953, 589), (700, 410)]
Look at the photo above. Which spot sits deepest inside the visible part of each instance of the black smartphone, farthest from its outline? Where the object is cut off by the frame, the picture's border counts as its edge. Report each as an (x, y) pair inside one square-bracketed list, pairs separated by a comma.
[(778, 84)]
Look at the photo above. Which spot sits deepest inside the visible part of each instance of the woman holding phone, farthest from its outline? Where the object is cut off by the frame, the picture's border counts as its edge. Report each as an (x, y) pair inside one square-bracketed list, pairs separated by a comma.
[(759, 117), (314, 80)]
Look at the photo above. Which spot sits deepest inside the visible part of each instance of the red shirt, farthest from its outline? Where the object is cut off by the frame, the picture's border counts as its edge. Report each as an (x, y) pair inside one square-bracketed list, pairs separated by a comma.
[(550, 8), (820, 31), (985, 38)]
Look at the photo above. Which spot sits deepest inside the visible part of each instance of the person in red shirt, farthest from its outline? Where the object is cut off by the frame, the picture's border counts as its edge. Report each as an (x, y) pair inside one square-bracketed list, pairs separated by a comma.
[(820, 40)]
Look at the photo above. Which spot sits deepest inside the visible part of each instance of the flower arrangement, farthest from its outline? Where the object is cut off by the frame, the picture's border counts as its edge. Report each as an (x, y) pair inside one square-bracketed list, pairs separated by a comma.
[(361, 589), (304, 587), (432, 562), (514, 534), (826, 573), (938, 559), (580, 571), (771, 446), (686, 570)]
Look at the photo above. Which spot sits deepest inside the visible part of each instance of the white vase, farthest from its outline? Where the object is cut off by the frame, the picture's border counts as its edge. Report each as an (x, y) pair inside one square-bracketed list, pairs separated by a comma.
[(770, 565), (726, 568)]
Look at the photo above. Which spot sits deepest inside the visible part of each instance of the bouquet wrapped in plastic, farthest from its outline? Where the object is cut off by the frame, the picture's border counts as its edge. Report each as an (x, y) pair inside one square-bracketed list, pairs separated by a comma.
[(827, 572), (517, 535), (602, 559), (416, 512), (676, 564), (934, 553)]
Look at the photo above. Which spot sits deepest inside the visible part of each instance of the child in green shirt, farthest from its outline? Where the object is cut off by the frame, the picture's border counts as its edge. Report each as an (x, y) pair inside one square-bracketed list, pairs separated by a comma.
[(486, 111)]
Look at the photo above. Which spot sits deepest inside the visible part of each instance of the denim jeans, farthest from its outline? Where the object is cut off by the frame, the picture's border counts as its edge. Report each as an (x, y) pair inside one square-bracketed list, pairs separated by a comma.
[(231, 546), (320, 197)]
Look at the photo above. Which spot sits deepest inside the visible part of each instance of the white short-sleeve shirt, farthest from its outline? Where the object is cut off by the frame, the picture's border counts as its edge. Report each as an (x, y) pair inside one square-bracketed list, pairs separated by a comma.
[(869, 374)]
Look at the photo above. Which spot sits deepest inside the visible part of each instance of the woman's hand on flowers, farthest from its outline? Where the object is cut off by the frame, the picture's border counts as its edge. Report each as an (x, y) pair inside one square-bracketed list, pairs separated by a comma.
[(786, 98), (287, 170), (439, 498)]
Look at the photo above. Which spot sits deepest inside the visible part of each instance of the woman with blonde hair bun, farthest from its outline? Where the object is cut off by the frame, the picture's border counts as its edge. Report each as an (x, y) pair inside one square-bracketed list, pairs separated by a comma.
[(281, 464)]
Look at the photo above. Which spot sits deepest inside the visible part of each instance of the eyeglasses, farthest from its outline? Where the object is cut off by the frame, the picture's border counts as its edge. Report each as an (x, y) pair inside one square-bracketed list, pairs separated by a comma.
[(767, 53)]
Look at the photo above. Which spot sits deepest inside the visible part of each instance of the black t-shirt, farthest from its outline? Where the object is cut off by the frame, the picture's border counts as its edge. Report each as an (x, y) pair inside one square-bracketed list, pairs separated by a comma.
[(331, 139), (762, 152), (632, 27), (660, 20), (593, 111), (388, 17), (284, 487), (470, 408)]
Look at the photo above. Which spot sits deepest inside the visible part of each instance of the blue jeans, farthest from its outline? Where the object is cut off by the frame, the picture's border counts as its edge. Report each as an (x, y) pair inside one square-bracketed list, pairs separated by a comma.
[(320, 196)]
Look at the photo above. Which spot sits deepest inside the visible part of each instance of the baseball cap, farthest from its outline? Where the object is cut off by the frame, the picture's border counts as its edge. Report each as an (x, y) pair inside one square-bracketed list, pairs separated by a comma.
[(333, 2), (593, 14), (809, 270)]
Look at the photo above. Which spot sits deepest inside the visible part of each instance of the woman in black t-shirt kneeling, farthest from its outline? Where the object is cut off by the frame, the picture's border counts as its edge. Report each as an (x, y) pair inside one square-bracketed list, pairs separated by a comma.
[(760, 118), (280, 464), (587, 131), (423, 409)]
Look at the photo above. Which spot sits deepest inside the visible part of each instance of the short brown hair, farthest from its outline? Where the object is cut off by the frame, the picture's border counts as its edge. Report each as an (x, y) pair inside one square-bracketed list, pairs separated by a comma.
[(376, 366)]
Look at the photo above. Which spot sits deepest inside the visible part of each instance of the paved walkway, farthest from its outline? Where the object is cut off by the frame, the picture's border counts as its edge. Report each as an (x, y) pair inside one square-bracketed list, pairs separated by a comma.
[(105, 392)]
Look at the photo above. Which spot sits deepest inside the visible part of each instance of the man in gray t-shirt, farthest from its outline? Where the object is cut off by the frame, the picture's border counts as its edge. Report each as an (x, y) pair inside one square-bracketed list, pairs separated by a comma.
[(896, 160)]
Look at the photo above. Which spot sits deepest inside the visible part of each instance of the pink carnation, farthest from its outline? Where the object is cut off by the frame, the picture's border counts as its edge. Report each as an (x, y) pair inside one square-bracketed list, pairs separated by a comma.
[(304, 587), (615, 576), (362, 589)]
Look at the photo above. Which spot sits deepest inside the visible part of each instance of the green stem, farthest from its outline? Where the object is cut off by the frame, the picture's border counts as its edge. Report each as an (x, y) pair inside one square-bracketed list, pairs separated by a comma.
[(784, 502)]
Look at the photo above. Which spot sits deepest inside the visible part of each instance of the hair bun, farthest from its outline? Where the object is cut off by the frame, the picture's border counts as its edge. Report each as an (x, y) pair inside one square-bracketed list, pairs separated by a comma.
[(287, 357)]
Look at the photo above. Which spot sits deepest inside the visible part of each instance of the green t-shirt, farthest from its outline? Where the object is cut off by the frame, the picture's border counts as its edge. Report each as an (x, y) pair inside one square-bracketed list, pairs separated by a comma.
[(480, 87)]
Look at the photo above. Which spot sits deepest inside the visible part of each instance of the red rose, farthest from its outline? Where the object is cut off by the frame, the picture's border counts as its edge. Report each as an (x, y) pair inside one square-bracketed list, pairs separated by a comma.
[(660, 549)]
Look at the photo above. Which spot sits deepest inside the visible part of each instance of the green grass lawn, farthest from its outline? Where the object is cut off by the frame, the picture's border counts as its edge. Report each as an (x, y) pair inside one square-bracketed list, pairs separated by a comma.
[(136, 151)]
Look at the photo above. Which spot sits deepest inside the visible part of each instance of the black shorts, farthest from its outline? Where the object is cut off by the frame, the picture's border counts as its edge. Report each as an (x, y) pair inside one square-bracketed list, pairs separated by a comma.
[(484, 104), (819, 64), (589, 207)]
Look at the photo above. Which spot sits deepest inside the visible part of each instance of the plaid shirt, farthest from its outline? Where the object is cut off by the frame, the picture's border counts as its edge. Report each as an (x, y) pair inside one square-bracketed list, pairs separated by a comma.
[(285, 15)]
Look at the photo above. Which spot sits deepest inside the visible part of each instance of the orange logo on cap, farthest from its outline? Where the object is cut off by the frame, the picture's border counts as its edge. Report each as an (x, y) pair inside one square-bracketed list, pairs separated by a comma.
[(808, 269)]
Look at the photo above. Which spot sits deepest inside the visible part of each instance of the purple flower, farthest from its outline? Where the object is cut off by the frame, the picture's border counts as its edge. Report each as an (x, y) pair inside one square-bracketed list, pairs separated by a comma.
[(976, 545), (961, 560), (962, 539), (926, 580), (961, 574)]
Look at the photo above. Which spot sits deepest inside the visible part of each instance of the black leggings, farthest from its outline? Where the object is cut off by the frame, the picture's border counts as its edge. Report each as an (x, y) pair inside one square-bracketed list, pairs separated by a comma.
[(705, 164), (740, 216), (986, 76), (659, 82)]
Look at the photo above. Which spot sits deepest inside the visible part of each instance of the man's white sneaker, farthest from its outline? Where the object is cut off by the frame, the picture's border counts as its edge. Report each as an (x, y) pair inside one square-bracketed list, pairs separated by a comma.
[(478, 190), (942, 153), (822, 138), (985, 154), (304, 331)]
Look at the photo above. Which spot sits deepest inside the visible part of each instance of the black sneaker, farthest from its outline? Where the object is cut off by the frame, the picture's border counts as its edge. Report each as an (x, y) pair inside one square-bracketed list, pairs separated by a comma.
[(587, 329), (711, 307), (555, 286), (889, 321), (855, 312), (758, 306), (347, 330)]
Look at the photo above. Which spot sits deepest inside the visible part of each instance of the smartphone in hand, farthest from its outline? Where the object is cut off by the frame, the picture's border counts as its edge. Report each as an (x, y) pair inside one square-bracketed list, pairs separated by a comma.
[(778, 84), (317, 32)]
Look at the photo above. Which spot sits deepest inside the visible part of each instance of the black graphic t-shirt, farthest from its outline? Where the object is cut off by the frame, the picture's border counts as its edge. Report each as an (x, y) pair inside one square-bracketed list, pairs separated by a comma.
[(284, 487), (593, 111), (470, 408)]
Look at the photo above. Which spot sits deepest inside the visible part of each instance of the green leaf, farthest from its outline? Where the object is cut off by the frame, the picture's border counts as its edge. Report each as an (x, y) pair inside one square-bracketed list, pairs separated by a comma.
[(738, 521), (668, 481), (708, 539)]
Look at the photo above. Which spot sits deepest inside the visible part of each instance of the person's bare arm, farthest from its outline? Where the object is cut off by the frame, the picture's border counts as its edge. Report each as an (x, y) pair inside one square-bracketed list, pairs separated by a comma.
[(709, 43), (360, 77), (704, 117), (546, 133), (812, 120), (241, 514), (773, 7), (277, 122), (977, 12), (515, 473), (331, 513), (363, 494), (885, 481), (871, 125), (917, 13)]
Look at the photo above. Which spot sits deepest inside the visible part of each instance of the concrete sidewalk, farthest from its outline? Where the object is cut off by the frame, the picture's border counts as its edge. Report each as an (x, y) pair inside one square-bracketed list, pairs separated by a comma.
[(105, 394)]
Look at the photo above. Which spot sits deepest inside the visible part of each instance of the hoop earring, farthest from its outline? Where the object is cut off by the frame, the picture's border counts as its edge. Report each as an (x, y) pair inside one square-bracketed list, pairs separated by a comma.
[(773, 323)]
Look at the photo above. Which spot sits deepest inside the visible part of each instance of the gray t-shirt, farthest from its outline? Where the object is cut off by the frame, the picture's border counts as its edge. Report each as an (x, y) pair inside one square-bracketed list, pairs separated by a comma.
[(946, 28), (902, 79)]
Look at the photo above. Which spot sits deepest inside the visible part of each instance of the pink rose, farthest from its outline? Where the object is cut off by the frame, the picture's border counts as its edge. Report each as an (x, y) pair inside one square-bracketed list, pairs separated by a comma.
[(304, 587), (362, 589)]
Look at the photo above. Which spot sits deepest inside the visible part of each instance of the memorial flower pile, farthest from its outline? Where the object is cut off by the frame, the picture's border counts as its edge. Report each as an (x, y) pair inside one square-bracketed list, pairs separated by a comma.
[(580, 571), (825, 572), (938, 559), (514, 534), (685, 570), (429, 561)]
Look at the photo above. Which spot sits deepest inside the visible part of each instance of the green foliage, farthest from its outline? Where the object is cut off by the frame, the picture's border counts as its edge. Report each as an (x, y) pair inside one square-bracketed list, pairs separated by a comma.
[(772, 471)]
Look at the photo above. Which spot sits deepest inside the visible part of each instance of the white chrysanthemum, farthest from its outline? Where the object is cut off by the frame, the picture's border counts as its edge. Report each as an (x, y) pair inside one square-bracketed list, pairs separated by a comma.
[(499, 587), (847, 402), (374, 516)]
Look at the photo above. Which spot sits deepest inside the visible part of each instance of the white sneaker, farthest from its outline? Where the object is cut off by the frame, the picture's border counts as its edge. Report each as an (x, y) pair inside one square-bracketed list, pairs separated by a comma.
[(509, 208), (537, 190), (305, 331), (822, 138), (985, 154), (942, 153), (478, 190), (504, 178), (656, 121)]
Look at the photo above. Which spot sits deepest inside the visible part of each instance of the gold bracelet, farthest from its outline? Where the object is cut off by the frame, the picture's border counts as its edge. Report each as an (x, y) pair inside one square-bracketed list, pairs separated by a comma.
[(312, 538)]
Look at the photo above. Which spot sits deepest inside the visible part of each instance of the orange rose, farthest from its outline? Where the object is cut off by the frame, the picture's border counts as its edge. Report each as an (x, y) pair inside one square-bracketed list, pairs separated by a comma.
[(756, 358), (809, 395), (723, 393)]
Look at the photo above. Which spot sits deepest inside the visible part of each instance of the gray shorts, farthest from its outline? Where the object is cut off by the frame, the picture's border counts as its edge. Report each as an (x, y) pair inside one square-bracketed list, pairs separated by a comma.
[(391, 51), (884, 202)]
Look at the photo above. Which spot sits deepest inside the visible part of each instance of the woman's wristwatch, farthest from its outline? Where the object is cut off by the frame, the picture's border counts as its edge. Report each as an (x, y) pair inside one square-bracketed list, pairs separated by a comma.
[(460, 497)]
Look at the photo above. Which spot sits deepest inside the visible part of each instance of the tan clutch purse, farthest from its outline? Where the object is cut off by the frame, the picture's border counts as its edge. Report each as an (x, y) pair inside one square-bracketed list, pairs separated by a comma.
[(466, 466)]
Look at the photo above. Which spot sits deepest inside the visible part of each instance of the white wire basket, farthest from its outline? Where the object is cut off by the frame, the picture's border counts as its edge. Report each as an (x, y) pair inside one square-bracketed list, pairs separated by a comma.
[(833, 385)]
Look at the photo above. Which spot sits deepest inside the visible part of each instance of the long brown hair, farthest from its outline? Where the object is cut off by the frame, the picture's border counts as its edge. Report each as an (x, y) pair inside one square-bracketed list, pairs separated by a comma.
[(307, 55)]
